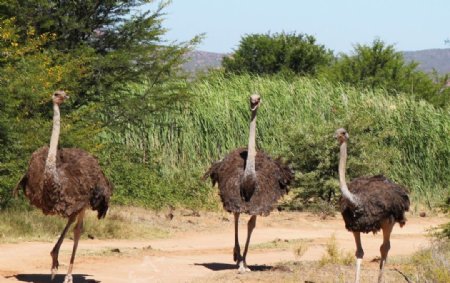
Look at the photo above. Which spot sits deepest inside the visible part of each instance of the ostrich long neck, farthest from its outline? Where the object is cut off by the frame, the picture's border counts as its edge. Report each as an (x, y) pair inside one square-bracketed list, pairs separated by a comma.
[(50, 163), (342, 184), (251, 151)]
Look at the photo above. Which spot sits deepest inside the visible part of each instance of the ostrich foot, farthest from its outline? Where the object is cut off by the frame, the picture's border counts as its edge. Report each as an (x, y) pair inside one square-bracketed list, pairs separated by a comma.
[(55, 264), (54, 272), (68, 278), (243, 267)]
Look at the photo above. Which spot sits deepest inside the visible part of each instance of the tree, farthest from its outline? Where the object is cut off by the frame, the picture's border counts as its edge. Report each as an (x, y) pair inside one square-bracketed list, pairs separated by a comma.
[(125, 42), (130, 72), (274, 53), (381, 66)]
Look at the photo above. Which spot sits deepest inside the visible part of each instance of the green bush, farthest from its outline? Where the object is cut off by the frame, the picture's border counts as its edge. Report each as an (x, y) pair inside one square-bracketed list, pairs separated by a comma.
[(279, 52), (379, 65)]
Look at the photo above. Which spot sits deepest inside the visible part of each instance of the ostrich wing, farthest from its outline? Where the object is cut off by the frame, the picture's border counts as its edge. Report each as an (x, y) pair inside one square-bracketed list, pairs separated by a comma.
[(379, 199), (272, 179)]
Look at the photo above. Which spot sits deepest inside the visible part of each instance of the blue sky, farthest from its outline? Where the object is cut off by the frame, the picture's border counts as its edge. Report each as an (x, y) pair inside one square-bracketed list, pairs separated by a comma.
[(339, 24)]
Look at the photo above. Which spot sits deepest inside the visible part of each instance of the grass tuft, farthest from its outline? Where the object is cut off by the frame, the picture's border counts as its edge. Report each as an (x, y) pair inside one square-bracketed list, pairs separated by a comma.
[(431, 264), (334, 255)]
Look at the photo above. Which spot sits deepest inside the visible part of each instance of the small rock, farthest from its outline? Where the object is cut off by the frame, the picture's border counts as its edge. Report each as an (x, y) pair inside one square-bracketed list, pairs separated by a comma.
[(115, 250), (422, 214), (169, 216)]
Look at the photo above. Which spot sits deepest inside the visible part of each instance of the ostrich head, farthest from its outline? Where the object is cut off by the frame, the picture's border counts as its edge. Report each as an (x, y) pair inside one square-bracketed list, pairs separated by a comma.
[(59, 96), (255, 100), (341, 135)]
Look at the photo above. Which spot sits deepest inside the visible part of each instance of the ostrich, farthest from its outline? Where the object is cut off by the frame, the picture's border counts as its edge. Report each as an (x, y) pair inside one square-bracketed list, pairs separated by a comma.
[(65, 182), (370, 204), (249, 182)]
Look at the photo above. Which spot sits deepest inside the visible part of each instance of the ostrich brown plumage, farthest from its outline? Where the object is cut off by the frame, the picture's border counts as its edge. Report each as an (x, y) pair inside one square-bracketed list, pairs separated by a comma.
[(249, 182), (65, 182), (370, 204)]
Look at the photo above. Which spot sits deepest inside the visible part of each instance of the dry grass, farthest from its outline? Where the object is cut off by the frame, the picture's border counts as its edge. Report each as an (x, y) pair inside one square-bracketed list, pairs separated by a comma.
[(300, 249), (334, 255), (431, 264)]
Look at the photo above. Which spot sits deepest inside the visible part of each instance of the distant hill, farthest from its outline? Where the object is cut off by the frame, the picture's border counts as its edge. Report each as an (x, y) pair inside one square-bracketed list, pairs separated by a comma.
[(429, 59), (202, 61), (439, 59)]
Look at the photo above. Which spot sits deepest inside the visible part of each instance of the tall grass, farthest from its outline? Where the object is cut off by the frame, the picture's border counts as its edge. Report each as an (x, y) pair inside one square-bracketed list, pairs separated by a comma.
[(408, 141)]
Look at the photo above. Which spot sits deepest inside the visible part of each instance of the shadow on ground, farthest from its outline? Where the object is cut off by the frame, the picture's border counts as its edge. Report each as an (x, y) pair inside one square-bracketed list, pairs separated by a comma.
[(46, 278), (216, 266)]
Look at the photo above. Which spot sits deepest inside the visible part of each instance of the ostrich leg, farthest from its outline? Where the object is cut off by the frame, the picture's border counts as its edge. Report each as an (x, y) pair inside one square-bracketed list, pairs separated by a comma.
[(237, 249), (250, 226), (359, 255), (55, 251), (387, 227), (76, 237)]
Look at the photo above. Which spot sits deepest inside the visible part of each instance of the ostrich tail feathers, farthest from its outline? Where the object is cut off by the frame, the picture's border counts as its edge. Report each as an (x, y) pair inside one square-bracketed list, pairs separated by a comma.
[(212, 173), (99, 202)]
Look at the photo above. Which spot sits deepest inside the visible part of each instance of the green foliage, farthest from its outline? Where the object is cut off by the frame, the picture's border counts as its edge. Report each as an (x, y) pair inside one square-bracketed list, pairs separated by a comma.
[(440, 97), (444, 230), (124, 46), (375, 66), (28, 76), (104, 25), (297, 119), (115, 66), (279, 52), (148, 183), (381, 66)]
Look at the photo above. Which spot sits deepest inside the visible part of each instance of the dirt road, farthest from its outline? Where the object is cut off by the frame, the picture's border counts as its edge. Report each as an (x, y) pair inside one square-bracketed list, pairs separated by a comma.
[(199, 254)]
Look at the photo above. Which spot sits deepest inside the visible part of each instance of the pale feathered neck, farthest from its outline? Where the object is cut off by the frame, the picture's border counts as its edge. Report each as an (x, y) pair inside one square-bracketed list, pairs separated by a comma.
[(251, 151), (50, 163), (342, 183)]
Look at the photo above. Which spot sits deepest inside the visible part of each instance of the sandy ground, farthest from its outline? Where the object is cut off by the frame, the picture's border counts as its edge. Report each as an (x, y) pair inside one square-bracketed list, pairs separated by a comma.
[(202, 253)]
